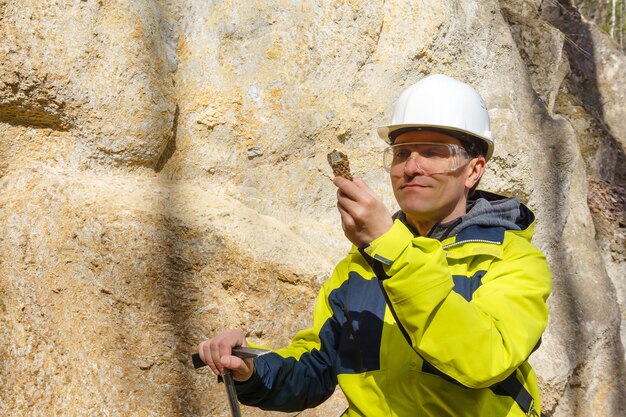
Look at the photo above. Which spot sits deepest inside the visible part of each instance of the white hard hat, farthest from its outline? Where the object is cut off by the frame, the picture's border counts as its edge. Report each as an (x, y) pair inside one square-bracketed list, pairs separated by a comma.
[(442, 103)]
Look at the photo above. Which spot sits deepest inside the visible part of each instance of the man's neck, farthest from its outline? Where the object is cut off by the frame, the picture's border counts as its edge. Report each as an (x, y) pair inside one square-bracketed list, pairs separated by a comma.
[(424, 225)]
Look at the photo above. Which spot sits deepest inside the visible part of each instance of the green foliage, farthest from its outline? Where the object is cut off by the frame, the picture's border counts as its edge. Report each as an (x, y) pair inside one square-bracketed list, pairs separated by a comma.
[(609, 15)]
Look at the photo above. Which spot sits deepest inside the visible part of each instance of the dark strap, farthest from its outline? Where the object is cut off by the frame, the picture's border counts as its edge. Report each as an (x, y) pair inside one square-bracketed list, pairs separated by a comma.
[(515, 389), (510, 387)]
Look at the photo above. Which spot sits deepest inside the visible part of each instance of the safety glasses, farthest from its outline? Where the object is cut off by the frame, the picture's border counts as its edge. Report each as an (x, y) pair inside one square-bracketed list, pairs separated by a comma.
[(431, 158)]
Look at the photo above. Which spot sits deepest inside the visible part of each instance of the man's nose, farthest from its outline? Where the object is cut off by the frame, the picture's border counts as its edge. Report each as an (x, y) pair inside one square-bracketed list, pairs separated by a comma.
[(411, 167)]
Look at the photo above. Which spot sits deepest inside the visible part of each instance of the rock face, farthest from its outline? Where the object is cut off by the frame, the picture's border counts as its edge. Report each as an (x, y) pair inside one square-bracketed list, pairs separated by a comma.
[(163, 176)]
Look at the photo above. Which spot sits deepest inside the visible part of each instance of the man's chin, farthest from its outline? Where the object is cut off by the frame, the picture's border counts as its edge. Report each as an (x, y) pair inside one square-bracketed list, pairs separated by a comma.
[(417, 211)]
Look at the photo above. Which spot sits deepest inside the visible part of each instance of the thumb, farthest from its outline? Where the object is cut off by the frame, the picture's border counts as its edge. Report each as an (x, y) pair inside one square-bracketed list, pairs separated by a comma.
[(231, 362), (241, 369)]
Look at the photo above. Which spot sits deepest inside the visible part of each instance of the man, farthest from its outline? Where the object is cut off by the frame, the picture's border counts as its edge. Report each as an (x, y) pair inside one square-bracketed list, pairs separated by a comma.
[(436, 310)]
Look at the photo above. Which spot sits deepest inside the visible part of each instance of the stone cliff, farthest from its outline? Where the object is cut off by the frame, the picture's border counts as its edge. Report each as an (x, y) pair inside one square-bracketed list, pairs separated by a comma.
[(163, 176)]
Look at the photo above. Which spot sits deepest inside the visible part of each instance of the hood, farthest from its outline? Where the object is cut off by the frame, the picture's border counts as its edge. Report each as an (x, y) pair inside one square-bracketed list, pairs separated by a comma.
[(487, 210)]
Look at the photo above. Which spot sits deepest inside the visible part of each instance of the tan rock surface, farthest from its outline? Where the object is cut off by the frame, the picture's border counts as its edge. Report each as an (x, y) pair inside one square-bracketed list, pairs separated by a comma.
[(163, 176)]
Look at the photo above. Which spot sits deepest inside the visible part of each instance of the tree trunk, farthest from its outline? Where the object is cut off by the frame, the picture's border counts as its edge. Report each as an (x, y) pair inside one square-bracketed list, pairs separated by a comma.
[(613, 9)]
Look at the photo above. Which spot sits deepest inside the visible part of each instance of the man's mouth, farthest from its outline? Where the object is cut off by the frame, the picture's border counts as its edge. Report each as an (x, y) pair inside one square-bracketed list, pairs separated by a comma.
[(413, 185)]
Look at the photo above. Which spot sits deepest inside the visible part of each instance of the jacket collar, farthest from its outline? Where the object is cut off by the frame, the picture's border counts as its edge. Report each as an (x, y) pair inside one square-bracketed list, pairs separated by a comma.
[(488, 216)]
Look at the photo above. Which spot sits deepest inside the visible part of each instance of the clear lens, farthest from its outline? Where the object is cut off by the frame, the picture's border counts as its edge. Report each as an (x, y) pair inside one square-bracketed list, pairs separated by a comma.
[(432, 158)]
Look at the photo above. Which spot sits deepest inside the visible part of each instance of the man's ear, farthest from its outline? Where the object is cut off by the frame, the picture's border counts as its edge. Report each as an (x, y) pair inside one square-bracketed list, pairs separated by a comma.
[(476, 169)]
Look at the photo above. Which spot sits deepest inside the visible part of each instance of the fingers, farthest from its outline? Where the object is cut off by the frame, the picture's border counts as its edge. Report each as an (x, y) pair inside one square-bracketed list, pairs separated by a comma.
[(204, 350), (351, 188), (359, 203), (364, 216), (355, 190), (347, 221), (364, 187), (214, 352), (355, 186)]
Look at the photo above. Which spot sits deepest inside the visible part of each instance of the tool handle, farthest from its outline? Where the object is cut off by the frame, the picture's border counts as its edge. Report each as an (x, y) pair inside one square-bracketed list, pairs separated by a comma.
[(197, 362), (240, 352), (229, 383)]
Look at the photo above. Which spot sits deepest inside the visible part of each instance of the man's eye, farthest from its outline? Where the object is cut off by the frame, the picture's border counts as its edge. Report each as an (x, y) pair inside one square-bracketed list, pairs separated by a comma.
[(402, 153), (435, 152)]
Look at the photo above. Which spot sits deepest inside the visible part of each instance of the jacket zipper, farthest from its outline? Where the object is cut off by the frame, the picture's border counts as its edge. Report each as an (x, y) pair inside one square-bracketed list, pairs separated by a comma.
[(449, 245)]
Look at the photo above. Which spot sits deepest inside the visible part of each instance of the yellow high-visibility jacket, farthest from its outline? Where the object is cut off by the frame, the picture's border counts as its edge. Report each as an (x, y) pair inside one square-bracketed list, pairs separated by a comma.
[(414, 326)]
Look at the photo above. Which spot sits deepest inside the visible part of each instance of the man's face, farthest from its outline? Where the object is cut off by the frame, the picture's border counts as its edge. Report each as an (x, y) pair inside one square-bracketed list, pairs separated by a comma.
[(429, 198)]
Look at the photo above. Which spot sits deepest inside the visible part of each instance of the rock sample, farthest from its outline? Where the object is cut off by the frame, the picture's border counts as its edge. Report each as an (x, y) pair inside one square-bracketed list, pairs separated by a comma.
[(340, 164)]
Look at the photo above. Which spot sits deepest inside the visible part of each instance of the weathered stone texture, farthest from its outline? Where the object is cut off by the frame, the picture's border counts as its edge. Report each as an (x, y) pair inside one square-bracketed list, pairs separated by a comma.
[(98, 70), (163, 177)]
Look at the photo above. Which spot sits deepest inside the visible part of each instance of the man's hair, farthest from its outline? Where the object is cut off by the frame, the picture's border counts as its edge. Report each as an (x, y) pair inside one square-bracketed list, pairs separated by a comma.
[(475, 148)]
